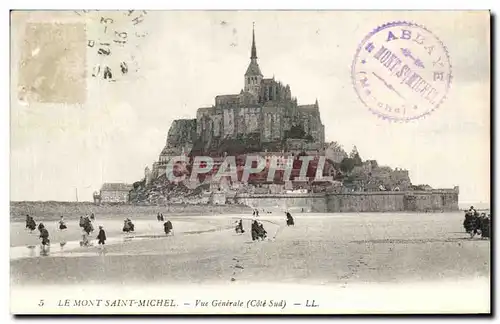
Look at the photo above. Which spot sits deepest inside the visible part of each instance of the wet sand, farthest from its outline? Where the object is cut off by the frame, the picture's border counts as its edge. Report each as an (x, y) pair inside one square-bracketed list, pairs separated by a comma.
[(20, 236), (339, 249)]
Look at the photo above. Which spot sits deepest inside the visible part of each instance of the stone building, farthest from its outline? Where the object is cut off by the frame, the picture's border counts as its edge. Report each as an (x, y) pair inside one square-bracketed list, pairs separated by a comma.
[(115, 192), (335, 152), (261, 117), (371, 177)]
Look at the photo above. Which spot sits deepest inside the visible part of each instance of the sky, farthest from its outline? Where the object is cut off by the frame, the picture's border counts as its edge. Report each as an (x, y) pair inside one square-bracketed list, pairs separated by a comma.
[(185, 59)]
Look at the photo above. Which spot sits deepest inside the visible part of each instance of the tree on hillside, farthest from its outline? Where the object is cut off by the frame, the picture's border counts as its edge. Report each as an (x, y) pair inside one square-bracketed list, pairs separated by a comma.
[(347, 165), (336, 146), (355, 156), (138, 184)]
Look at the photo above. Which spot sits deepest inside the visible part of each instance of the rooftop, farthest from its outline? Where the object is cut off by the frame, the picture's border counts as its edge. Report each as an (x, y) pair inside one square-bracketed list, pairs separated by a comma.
[(253, 69), (307, 107)]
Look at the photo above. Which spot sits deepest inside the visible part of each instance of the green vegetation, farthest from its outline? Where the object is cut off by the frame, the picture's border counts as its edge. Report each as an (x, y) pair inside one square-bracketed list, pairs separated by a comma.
[(347, 165), (297, 132), (355, 156)]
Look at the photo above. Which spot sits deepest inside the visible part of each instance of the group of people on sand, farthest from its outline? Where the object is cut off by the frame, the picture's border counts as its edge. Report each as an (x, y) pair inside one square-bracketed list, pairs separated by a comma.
[(87, 228), (85, 223), (258, 232), (44, 234), (160, 217), (128, 226), (475, 223), (256, 212)]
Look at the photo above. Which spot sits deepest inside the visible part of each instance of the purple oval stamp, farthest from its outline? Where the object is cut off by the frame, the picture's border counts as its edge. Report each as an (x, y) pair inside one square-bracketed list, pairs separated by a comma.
[(401, 71)]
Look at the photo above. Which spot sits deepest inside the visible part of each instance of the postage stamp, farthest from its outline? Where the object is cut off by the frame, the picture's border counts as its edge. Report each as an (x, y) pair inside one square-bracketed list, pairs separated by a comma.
[(61, 53), (52, 68), (401, 71)]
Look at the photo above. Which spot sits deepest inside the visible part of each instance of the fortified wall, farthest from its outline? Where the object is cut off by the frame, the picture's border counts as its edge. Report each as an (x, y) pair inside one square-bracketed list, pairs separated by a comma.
[(312, 203), (389, 201), (393, 201)]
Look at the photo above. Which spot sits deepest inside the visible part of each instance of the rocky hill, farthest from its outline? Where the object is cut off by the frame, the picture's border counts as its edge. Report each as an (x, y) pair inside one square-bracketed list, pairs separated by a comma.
[(161, 191)]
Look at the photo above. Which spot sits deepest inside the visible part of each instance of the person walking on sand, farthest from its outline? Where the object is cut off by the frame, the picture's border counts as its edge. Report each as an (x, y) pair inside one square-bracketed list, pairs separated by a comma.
[(239, 226), (87, 225), (62, 224), (168, 228), (289, 219), (85, 238), (30, 223), (101, 237), (255, 230), (44, 235)]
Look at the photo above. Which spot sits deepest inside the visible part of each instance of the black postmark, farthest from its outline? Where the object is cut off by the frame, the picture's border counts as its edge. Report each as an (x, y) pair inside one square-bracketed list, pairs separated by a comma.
[(114, 39), (401, 71)]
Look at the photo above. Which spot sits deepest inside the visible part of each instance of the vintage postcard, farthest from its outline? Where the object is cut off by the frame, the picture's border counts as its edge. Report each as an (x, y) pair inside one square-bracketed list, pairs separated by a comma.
[(250, 162)]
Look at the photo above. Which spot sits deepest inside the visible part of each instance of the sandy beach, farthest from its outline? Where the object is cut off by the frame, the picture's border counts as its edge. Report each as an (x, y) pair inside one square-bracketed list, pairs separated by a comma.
[(351, 263), (320, 249)]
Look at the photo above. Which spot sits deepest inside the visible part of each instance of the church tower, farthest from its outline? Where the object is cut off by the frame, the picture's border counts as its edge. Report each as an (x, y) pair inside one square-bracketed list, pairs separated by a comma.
[(253, 76)]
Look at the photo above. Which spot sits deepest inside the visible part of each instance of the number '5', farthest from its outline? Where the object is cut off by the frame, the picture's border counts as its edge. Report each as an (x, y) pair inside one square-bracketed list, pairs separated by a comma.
[(41, 303)]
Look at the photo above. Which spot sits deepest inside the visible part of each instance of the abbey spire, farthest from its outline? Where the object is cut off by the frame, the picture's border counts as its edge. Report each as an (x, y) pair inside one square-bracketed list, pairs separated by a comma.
[(254, 49), (253, 76)]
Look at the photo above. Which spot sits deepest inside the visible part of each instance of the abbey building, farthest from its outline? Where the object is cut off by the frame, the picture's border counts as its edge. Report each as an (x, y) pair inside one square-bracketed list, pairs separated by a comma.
[(263, 117)]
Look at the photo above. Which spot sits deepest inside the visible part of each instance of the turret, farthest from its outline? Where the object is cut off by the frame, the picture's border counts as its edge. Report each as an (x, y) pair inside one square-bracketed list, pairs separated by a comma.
[(147, 176)]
